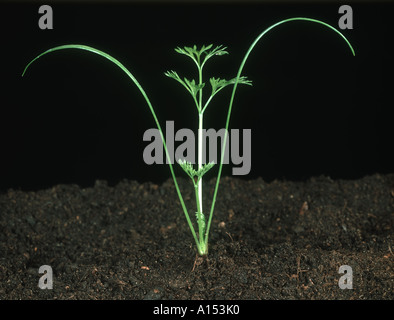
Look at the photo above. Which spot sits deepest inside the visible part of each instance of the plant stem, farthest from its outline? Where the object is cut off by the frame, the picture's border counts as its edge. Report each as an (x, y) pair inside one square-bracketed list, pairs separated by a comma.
[(130, 75), (202, 248), (233, 94), (200, 125), (201, 242), (200, 141)]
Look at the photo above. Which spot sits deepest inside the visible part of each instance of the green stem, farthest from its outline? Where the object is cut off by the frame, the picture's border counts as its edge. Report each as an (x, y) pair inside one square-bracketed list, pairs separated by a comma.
[(201, 224), (200, 149), (232, 99), (129, 74)]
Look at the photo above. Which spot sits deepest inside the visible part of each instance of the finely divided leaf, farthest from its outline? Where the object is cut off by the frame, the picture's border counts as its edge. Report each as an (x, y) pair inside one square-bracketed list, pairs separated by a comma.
[(194, 88), (219, 51), (204, 169), (190, 85), (191, 172), (174, 75), (218, 84), (196, 54)]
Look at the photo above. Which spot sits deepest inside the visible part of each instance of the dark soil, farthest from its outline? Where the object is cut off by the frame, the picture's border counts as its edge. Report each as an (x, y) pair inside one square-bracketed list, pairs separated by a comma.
[(278, 240)]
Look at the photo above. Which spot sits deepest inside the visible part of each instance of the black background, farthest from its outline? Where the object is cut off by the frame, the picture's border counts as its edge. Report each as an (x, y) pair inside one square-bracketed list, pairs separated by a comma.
[(313, 109)]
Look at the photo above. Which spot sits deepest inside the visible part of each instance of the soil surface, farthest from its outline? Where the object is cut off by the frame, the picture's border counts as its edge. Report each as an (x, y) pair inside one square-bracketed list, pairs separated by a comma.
[(277, 240)]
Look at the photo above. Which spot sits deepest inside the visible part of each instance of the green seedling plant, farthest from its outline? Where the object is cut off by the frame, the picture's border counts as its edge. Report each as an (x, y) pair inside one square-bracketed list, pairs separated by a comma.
[(200, 57), (195, 88)]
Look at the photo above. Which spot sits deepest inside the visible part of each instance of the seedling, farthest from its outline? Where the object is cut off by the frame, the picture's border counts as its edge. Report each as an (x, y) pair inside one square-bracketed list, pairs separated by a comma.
[(195, 88)]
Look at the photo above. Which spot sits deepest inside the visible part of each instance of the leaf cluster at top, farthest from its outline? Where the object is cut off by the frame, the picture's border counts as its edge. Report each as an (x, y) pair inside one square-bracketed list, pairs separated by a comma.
[(196, 54), (200, 57)]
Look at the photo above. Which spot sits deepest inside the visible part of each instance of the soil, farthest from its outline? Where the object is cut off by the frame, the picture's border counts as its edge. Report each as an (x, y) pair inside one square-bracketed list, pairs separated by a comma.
[(277, 240)]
